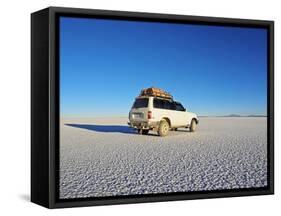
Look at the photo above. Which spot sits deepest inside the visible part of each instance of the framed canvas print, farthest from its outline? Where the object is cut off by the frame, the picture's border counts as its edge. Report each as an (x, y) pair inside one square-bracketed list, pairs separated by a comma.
[(139, 107)]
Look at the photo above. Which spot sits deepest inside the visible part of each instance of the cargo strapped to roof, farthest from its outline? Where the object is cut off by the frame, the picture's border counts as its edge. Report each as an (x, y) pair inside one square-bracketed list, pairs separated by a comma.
[(155, 92)]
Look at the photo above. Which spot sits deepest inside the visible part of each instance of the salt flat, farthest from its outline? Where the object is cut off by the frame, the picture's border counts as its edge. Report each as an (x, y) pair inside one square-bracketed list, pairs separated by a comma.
[(104, 157)]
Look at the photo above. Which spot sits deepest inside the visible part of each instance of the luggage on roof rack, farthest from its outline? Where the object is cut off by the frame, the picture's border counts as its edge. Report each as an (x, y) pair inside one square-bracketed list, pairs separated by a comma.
[(155, 92)]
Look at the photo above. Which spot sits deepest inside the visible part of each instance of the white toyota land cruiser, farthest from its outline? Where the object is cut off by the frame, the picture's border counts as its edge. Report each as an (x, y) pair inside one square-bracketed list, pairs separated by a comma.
[(161, 115)]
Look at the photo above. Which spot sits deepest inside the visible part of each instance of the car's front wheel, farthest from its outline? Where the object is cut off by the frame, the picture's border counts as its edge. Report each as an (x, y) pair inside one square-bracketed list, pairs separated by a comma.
[(193, 125), (163, 128)]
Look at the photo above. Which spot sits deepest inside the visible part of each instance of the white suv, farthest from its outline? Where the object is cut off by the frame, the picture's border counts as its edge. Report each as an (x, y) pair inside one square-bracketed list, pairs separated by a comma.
[(160, 114)]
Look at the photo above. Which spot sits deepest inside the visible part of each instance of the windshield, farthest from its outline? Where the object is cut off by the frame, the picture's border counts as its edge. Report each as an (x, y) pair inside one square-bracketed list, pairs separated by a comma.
[(141, 103)]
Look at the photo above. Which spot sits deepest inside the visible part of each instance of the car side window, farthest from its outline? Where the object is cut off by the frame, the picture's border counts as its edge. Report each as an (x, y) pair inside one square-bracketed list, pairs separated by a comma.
[(163, 104), (170, 105), (157, 103), (179, 107)]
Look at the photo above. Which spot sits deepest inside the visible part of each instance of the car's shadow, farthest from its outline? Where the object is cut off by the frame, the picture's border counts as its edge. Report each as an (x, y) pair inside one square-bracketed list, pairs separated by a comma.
[(116, 129), (105, 128)]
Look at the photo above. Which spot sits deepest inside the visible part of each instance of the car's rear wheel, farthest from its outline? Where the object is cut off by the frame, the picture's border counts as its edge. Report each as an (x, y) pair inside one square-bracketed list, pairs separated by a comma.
[(163, 128), (144, 131), (193, 125)]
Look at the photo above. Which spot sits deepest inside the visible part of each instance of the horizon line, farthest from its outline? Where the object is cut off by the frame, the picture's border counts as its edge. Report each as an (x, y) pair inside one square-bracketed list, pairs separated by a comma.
[(122, 116)]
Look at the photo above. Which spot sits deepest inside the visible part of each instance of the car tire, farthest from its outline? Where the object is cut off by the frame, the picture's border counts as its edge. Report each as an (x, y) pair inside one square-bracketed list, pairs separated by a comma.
[(164, 128), (144, 131), (193, 125)]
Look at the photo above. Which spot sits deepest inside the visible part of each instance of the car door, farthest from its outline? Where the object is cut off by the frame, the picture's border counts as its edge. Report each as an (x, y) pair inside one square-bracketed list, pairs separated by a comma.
[(174, 116), (159, 110), (139, 110), (181, 114)]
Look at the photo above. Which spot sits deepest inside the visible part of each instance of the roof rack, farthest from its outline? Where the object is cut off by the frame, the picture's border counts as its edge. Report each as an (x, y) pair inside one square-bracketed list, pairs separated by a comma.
[(155, 92)]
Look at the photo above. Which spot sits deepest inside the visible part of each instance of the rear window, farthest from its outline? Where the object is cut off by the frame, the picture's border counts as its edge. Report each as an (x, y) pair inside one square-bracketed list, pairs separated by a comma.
[(141, 103)]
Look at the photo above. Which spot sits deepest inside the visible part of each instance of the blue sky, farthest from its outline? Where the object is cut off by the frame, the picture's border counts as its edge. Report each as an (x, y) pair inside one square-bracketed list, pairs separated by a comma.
[(211, 70)]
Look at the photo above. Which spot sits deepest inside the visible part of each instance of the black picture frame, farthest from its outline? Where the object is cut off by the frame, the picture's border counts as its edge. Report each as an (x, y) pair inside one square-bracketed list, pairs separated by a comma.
[(45, 106)]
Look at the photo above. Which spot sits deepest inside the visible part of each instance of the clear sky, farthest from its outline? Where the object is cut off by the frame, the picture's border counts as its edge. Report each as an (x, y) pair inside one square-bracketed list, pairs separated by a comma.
[(211, 70)]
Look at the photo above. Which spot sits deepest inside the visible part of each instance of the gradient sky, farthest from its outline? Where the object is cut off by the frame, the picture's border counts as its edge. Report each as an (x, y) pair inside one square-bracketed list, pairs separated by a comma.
[(211, 70)]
